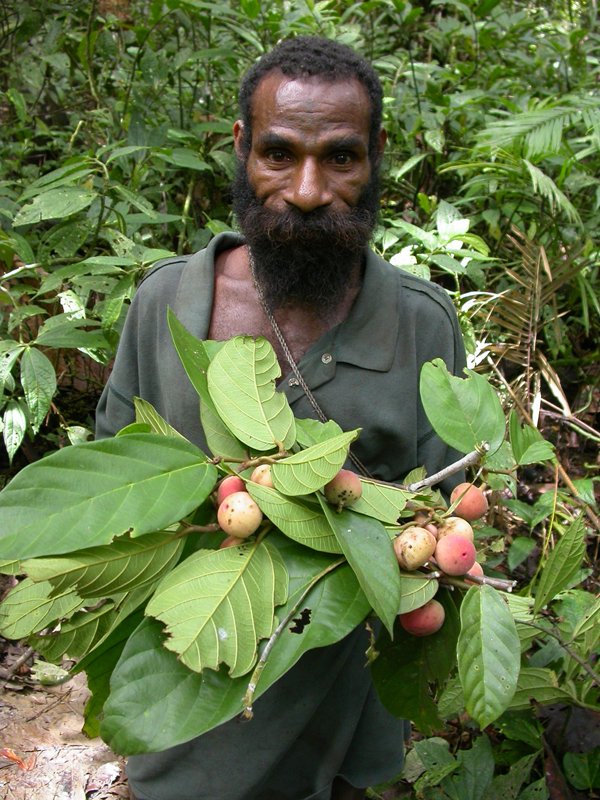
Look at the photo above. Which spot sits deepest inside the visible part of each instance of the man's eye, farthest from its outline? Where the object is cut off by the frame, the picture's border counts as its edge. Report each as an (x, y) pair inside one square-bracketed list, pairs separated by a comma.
[(277, 155), (342, 159)]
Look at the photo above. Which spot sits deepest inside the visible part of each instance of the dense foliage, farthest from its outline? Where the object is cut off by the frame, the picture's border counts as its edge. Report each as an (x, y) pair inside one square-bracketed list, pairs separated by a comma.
[(116, 151)]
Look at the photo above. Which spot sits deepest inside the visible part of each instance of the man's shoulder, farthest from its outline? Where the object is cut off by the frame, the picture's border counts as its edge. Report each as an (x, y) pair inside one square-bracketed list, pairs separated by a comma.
[(413, 288)]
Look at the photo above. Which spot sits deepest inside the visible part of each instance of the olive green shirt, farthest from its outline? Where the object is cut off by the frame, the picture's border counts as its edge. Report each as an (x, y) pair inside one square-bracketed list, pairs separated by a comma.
[(323, 717)]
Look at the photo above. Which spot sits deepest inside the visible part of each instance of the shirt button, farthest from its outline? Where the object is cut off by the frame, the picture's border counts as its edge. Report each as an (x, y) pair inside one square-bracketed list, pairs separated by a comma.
[(326, 358), (293, 382)]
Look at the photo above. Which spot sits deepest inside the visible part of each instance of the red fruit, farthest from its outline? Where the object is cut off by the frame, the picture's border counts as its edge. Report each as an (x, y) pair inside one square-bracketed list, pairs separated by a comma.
[(472, 503), (425, 620), (238, 515), (262, 475), (454, 554), (458, 526), (344, 489), (414, 547), (229, 485)]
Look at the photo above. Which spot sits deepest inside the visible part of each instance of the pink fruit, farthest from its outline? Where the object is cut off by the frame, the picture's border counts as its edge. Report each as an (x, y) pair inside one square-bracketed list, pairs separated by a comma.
[(229, 485), (472, 503), (230, 541), (425, 620), (414, 547), (344, 489), (454, 554), (238, 515), (458, 526), (262, 475)]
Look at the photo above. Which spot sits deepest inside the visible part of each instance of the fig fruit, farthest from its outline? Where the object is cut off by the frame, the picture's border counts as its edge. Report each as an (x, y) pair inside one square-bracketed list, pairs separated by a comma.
[(472, 503), (454, 554), (425, 620), (344, 489), (229, 485), (238, 515), (414, 547), (456, 525), (262, 475)]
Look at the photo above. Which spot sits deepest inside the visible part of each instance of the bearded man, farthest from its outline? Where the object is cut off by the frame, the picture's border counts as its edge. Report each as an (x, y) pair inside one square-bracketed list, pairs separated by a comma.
[(351, 334)]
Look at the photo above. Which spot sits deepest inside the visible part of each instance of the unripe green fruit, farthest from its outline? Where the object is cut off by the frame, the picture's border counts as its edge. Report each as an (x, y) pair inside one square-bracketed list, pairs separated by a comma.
[(229, 485), (414, 547), (425, 620), (238, 515), (262, 475), (472, 503), (454, 554), (458, 526), (344, 489)]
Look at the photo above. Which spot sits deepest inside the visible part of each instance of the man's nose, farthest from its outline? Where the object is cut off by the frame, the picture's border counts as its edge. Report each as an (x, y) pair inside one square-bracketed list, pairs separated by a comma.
[(308, 188)]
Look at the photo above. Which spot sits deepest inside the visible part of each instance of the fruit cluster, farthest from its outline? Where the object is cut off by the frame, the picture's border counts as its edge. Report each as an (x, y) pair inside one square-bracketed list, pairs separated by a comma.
[(239, 516), (448, 547)]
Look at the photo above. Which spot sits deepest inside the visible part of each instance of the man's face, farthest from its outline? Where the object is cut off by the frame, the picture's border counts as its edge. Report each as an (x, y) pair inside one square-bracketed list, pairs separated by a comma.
[(306, 192)]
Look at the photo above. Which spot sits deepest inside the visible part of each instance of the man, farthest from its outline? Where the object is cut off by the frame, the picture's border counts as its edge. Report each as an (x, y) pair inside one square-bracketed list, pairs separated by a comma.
[(355, 332)]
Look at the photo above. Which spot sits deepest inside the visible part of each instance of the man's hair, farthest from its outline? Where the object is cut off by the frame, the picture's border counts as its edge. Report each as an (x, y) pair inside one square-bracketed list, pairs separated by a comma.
[(305, 56)]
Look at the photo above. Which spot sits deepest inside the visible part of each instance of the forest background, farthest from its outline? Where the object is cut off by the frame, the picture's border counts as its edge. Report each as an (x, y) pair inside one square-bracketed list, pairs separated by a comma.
[(116, 151)]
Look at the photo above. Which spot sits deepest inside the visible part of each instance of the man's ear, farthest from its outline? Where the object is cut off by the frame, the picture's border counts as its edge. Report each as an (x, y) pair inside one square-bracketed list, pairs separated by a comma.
[(239, 138), (381, 141)]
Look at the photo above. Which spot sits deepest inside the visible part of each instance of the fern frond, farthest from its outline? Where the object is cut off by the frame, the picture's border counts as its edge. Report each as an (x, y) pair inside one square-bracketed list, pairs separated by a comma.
[(544, 185)]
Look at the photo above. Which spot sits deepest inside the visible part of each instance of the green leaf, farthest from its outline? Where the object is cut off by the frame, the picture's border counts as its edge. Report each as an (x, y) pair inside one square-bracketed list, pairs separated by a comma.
[(416, 591), (437, 761), (301, 520), (309, 470), (241, 382), (370, 553), (88, 494), (29, 608), (488, 654), (508, 785), (55, 204), (182, 157), (527, 443), (63, 330), (14, 425), (39, 384), (474, 776), (218, 604), (563, 563), (145, 413), (9, 353), (540, 685), (464, 412), (382, 502), (583, 769), (118, 567), (77, 636), (195, 357), (312, 431), (156, 702)]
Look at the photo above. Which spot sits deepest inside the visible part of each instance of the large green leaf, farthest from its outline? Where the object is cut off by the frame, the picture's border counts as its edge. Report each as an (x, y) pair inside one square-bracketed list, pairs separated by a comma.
[(416, 591), (77, 636), (538, 684), (39, 384), (464, 412), (527, 443), (382, 502), (301, 520), (488, 654), (29, 608), (563, 563), (370, 553), (311, 469), (55, 204), (241, 382), (156, 702), (118, 567), (195, 356), (218, 604), (88, 494), (63, 330), (148, 415), (407, 668)]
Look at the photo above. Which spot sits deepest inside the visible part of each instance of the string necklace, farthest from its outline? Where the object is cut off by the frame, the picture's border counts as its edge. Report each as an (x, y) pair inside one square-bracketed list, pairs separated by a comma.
[(292, 361)]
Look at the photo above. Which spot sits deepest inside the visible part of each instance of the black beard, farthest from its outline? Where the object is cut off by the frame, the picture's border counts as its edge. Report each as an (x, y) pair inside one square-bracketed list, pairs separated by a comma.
[(305, 260)]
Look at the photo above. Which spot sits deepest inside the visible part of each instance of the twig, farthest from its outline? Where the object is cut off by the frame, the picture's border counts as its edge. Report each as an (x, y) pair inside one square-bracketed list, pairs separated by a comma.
[(474, 457), (502, 584), (9, 672), (254, 678)]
